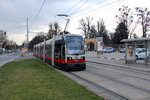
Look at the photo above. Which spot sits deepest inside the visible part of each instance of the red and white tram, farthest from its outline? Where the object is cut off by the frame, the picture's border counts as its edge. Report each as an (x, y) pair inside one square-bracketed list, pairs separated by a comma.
[(63, 51)]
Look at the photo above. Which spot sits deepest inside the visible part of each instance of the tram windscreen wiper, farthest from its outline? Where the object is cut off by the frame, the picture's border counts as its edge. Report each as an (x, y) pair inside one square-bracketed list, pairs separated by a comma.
[(76, 54)]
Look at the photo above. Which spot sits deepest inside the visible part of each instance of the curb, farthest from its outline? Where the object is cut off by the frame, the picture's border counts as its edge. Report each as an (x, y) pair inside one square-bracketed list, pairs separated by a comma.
[(108, 58)]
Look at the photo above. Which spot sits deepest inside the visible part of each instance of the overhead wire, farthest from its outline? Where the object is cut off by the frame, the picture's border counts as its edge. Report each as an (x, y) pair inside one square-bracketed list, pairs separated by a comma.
[(16, 28), (79, 7), (74, 16), (93, 5), (112, 3), (12, 25), (73, 6), (92, 10), (76, 9), (97, 8), (35, 18), (76, 4)]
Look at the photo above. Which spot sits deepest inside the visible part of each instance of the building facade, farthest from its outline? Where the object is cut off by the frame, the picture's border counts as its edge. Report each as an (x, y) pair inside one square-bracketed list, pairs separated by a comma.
[(90, 44)]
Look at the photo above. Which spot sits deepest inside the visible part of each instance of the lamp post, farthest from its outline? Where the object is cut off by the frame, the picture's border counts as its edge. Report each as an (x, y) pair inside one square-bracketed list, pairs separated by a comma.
[(27, 37)]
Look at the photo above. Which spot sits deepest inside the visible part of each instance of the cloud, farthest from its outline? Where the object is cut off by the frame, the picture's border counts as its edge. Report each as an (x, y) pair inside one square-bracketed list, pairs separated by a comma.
[(13, 14)]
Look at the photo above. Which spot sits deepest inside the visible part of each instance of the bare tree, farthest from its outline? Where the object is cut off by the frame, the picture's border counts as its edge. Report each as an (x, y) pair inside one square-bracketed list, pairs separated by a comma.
[(3, 38), (93, 32), (85, 26), (101, 31), (54, 29), (126, 16), (101, 27), (49, 34), (40, 37), (144, 17), (89, 20)]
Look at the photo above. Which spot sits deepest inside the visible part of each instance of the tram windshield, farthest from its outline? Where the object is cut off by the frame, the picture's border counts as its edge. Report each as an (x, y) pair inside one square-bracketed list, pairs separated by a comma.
[(75, 45)]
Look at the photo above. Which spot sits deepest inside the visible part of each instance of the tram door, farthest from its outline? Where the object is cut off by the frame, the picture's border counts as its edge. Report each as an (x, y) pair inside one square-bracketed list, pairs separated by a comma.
[(59, 53)]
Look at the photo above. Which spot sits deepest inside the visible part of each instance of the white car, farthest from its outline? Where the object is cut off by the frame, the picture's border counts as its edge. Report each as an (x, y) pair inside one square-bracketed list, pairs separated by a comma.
[(141, 54)]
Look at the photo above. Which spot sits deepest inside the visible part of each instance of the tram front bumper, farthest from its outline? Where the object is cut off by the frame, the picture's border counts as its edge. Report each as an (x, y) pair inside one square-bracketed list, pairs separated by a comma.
[(80, 65)]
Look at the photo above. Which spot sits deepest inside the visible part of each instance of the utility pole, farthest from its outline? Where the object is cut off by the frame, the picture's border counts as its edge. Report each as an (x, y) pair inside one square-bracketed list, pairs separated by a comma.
[(27, 37)]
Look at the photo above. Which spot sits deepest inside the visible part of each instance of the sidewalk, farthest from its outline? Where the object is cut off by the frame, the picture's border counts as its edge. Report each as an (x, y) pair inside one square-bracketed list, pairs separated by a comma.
[(116, 59)]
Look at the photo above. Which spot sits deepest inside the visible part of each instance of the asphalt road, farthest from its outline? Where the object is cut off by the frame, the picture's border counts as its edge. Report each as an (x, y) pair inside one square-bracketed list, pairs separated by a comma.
[(12, 56), (8, 57)]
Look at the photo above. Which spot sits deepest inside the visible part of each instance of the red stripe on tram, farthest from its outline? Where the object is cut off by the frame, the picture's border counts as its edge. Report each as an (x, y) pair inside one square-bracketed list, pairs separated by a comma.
[(62, 60), (75, 60)]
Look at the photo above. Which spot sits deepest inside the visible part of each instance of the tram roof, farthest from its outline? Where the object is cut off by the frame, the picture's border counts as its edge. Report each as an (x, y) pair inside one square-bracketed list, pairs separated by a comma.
[(57, 37), (136, 39)]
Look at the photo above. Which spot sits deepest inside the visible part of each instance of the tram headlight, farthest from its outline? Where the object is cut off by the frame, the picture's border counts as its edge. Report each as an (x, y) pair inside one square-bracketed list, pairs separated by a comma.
[(69, 58), (83, 58)]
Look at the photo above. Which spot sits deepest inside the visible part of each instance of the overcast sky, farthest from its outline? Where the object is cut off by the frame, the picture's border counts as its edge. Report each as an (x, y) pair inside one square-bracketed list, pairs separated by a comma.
[(13, 14)]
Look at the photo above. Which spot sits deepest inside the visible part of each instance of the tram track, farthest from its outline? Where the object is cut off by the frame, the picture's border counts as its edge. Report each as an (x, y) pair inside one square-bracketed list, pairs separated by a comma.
[(117, 66), (121, 67), (122, 73), (119, 95), (115, 80), (120, 82), (116, 95)]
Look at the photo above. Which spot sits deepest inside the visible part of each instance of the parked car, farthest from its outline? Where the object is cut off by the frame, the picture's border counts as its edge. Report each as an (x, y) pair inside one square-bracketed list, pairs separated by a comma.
[(122, 50), (114, 49), (141, 53), (139, 49), (9, 51), (1, 50), (108, 50)]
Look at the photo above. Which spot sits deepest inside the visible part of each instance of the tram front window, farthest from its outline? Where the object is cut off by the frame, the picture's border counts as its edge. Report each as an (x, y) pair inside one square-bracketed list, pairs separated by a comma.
[(75, 45)]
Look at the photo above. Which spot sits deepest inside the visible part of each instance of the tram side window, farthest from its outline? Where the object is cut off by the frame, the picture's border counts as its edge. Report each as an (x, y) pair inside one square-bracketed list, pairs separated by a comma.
[(63, 51), (50, 50), (46, 50), (57, 50), (48, 47), (41, 51), (38, 50)]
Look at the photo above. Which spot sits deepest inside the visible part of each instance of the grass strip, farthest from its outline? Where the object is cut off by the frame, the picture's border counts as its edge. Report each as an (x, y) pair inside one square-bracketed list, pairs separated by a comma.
[(31, 79)]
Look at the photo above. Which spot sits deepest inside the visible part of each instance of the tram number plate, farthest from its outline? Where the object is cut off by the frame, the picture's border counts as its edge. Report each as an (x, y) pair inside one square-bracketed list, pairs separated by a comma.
[(76, 59)]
